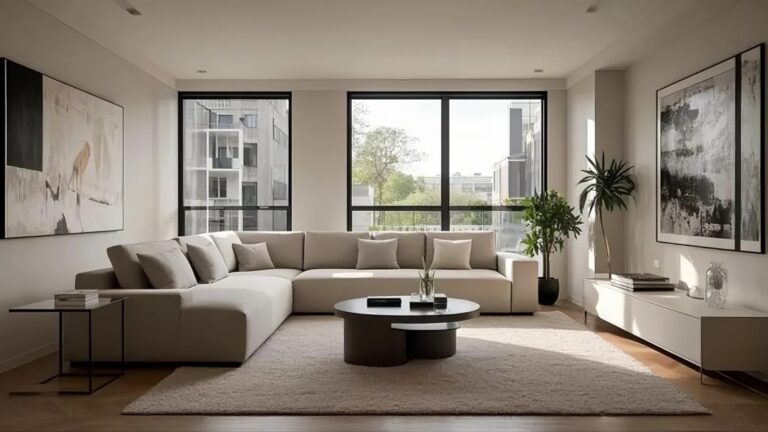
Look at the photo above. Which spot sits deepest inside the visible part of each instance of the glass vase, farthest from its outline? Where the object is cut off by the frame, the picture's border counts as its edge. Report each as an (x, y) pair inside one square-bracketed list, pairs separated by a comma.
[(426, 288), (716, 290)]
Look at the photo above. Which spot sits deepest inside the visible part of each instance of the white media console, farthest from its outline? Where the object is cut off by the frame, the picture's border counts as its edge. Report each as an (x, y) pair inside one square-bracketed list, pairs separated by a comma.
[(730, 339)]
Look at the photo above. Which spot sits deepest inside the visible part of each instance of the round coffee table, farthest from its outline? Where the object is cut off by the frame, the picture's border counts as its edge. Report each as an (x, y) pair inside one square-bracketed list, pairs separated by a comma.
[(389, 336)]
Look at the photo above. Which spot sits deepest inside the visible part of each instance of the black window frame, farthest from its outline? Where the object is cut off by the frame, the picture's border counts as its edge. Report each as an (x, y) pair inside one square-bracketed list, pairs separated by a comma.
[(191, 95), (445, 97)]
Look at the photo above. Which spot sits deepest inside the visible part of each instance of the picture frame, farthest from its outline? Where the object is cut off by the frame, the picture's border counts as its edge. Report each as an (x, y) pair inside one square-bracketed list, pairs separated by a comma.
[(710, 156), (62, 158)]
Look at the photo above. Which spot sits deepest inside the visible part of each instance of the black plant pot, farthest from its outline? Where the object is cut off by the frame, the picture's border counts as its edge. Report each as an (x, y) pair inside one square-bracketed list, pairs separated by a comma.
[(549, 289)]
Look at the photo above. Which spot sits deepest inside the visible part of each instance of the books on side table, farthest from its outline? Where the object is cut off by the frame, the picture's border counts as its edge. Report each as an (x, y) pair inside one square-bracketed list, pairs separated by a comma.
[(641, 282), (77, 298)]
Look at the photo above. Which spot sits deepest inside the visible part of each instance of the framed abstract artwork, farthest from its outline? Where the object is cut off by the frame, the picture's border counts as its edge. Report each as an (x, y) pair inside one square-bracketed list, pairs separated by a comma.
[(710, 150), (62, 159)]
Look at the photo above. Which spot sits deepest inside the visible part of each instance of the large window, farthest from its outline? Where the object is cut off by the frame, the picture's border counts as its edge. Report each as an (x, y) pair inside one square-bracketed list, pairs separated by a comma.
[(234, 162), (445, 161)]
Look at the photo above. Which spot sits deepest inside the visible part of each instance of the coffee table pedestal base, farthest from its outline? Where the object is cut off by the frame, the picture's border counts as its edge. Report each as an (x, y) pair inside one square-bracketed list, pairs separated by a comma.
[(374, 343)]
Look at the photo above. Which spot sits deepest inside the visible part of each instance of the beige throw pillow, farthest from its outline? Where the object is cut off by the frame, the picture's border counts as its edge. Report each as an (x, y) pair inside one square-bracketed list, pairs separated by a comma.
[(377, 254), (208, 262), (452, 254), (167, 269), (252, 257)]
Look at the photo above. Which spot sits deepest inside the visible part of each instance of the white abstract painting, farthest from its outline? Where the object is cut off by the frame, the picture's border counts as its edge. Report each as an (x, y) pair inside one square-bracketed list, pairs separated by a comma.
[(80, 186)]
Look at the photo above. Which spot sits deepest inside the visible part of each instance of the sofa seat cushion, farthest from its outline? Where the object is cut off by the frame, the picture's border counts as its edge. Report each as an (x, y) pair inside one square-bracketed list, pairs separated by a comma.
[(318, 290), (226, 321), (285, 273)]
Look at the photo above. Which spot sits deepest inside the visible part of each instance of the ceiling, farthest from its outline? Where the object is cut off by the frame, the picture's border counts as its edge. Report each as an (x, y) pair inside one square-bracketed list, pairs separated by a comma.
[(360, 39)]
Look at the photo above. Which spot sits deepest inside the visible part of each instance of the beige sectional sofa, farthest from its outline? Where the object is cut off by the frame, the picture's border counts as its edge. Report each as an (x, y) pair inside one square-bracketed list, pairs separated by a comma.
[(226, 321)]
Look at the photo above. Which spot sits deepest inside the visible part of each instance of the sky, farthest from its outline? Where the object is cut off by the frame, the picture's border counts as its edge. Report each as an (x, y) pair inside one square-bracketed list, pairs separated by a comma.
[(478, 132)]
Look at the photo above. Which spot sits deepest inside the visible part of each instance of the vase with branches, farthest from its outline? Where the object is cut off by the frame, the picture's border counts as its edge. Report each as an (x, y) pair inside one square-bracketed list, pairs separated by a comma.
[(609, 187), (549, 221)]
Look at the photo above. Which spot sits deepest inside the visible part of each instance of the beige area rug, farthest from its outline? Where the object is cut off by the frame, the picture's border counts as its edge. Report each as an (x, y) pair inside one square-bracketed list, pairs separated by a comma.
[(542, 364)]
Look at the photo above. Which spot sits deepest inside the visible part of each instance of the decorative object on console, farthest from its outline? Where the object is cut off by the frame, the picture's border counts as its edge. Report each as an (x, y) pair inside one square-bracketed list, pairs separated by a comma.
[(710, 136), (716, 291), (641, 282), (550, 221), (608, 188), (696, 292), (441, 301), (426, 283), (63, 165)]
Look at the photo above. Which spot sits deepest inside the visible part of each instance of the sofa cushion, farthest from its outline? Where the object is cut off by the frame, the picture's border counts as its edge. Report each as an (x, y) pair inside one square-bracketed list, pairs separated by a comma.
[(226, 321), (377, 254), (285, 273), (483, 254), (126, 264), (410, 247), (331, 249), (318, 290), (451, 254), (198, 239), (224, 241), (167, 269), (285, 248), (252, 257), (207, 262)]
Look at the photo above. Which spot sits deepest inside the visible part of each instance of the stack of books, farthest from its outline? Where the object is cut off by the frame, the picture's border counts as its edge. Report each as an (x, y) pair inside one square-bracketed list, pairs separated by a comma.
[(77, 298), (641, 282)]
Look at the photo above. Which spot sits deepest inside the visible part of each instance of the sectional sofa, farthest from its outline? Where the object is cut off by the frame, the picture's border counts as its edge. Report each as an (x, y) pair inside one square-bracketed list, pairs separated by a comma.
[(226, 321)]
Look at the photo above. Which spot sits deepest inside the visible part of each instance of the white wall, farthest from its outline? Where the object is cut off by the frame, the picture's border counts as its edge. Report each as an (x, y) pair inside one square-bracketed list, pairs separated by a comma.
[(734, 29), (319, 145), (34, 269)]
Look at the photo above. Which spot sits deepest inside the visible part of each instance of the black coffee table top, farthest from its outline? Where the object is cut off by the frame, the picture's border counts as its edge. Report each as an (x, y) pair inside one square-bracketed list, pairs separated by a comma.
[(457, 310)]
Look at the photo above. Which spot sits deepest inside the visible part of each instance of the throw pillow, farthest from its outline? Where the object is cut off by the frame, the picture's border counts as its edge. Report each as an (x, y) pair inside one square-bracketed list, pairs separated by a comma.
[(452, 254), (253, 257), (208, 262), (377, 254), (167, 269)]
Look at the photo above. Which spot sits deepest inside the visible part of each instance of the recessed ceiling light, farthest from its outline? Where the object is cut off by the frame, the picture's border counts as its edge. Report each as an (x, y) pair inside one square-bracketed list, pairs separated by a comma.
[(538, 70), (128, 7), (202, 71)]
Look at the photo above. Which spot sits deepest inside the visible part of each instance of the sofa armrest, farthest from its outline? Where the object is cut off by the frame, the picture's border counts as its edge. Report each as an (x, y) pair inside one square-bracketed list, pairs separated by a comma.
[(100, 279), (524, 274)]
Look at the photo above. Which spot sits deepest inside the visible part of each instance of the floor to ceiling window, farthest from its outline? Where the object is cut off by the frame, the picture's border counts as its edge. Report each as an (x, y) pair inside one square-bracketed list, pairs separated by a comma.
[(234, 162), (445, 161)]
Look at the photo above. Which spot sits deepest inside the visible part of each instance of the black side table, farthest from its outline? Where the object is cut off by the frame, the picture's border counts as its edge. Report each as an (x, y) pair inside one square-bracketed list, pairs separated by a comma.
[(51, 307)]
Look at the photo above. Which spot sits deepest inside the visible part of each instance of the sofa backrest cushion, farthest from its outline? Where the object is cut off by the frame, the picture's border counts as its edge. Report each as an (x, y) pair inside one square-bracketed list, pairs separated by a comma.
[(483, 254), (334, 250), (124, 261), (197, 240), (286, 249), (224, 241), (411, 247)]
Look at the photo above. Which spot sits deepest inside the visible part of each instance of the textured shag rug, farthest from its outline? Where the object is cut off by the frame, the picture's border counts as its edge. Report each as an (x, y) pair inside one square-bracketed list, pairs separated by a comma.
[(544, 364)]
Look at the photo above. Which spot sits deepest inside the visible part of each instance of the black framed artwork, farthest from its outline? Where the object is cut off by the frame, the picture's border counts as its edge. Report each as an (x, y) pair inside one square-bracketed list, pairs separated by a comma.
[(62, 158), (710, 150)]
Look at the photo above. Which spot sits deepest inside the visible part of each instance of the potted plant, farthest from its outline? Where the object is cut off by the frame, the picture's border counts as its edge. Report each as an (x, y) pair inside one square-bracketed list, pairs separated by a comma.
[(550, 221), (609, 187)]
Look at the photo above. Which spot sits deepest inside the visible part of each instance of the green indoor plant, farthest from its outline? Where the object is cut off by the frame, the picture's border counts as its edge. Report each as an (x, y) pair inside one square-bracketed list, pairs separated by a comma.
[(609, 188), (550, 221)]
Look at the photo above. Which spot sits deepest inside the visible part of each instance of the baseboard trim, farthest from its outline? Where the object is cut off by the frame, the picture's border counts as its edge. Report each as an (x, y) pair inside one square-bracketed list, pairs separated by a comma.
[(22, 359)]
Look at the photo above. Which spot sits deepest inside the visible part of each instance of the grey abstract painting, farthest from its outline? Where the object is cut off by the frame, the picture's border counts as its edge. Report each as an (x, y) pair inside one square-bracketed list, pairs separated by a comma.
[(64, 170), (751, 146), (697, 159)]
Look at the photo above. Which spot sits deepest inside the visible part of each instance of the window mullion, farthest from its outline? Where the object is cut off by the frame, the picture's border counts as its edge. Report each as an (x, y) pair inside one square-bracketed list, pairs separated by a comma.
[(445, 166)]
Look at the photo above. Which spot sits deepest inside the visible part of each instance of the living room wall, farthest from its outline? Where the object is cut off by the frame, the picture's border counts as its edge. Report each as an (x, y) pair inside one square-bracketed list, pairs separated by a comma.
[(736, 28), (34, 269)]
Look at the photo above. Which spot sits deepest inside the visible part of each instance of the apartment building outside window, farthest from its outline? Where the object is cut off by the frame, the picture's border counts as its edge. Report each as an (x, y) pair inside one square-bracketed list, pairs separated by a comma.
[(234, 173)]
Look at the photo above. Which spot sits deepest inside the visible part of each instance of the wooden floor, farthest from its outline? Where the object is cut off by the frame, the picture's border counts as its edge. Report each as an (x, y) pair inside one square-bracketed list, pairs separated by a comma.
[(734, 408)]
